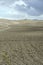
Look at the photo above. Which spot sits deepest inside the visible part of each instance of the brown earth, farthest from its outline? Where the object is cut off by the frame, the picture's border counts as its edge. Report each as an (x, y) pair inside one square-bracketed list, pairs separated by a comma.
[(22, 44)]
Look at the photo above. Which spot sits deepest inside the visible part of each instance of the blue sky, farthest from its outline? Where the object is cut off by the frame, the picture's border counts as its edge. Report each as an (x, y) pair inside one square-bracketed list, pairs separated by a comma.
[(21, 9)]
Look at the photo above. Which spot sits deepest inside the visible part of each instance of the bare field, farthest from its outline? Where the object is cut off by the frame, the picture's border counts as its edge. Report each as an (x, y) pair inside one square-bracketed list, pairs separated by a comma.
[(22, 44)]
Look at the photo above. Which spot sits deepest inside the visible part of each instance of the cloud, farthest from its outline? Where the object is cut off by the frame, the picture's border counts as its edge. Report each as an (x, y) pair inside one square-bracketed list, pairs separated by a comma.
[(38, 5), (20, 2), (19, 9)]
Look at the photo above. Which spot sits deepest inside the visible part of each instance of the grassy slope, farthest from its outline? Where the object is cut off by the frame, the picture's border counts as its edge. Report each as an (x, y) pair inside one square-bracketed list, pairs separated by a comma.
[(22, 45)]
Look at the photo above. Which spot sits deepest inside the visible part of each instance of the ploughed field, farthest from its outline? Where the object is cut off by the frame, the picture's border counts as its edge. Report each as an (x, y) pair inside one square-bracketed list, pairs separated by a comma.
[(21, 45)]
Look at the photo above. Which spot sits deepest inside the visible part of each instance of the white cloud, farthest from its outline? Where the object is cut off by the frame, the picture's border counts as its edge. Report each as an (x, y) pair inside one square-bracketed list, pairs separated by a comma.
[(40, 17), (19, 9), (20, 2)]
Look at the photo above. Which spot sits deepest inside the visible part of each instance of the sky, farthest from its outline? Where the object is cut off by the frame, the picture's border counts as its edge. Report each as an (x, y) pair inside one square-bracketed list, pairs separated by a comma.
[(21, 9)]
